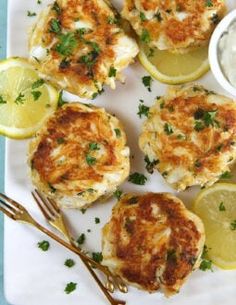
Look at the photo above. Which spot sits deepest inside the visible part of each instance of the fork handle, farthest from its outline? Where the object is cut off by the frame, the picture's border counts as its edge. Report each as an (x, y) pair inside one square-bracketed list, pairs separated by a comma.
[(85, 261)]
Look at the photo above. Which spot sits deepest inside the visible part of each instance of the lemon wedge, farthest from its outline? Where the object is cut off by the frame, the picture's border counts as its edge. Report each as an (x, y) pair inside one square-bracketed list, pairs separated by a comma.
[(173, 68), (25, 99), (216, 206)]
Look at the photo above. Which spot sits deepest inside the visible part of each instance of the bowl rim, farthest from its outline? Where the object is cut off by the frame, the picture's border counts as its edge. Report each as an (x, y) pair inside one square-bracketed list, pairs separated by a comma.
[(213, 52)]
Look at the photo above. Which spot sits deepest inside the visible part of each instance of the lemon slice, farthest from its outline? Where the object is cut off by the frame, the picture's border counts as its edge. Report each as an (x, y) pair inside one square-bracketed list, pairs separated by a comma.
[(25, 100), (173, 68), (216, 206)]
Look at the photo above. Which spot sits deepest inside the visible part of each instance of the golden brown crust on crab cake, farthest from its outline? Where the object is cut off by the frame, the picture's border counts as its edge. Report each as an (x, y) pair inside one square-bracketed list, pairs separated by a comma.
[(178, 25), (190, 136), (79, 155), (79, 46), (152, 241)]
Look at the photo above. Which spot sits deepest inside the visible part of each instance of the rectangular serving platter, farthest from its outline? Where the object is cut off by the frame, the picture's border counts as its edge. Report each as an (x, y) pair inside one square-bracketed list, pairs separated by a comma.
[(34, 277)]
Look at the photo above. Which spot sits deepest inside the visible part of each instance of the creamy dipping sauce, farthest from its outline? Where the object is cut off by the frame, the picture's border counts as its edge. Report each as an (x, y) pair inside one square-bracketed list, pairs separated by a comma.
[(227, 53)]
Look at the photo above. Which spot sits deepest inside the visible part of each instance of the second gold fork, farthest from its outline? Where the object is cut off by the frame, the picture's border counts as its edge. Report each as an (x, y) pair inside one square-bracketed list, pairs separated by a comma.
[(53, 215)]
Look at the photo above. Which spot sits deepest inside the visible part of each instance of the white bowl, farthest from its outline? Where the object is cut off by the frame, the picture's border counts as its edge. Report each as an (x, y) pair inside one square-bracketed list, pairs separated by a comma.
[(214, 52)]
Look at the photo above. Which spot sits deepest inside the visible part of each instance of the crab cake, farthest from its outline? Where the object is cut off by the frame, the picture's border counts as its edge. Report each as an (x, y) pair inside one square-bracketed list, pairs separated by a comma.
[(153, 242), (79, 156), (79, 45), (177, 25), (190, 136)]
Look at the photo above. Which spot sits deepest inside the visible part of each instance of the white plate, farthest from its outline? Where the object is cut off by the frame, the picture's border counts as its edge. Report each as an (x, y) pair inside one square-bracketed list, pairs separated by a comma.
[(33, 277)]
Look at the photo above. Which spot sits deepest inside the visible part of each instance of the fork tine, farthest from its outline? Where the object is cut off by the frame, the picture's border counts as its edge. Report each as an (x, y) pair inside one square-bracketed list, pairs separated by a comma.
[(45, 213), (45, 202), (53, 203), (9, 214), (16, 204)]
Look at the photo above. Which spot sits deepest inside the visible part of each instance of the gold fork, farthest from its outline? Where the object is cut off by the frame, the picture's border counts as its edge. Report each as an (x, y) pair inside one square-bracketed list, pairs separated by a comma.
[(53, 215), (17, 212)]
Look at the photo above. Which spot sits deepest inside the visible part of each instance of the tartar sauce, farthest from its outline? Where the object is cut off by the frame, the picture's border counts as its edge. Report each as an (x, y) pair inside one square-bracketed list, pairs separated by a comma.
[(227, 53)]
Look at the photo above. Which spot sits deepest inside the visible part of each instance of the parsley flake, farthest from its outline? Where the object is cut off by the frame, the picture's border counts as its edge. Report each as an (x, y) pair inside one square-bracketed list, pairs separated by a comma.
[(206, 264), (69, 263), (55, 26), (168, 129), (150, 164), (233, 225), (20, 99), (97, 220), (208, 3), (81, 239), (226, 175), (2, 101), (36, 95), (147, 82), (142, 16), (112, 20), (118, 194), (56, 8), (215, 19), (60, 101), (67, 44), (117, 132), (44, 245), (97, 257), (145, 36), (94, 146), (70, 287), (90, 160), (222, 207), (112, 72), (38, 83), (143, 110), (31, 14), (137, 178)]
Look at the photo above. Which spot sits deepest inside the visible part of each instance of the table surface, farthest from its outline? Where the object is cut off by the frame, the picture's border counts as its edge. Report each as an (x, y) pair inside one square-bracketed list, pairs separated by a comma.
[(3, 27)]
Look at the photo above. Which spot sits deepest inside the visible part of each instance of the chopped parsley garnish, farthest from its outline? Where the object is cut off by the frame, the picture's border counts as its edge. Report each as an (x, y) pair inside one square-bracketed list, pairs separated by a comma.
[(208, 3), (90, 160), (147, 82), (65, 63), (168, 129), (112, 72), (52, 189), (145, 36), (60, 101), (55, 26), (69, 263), (2, 101), (226, 175), (150, 164), (137, 178), (95, 94), (94, 146), (81, 239), (219, 147), (67, 44), (97, 220), (233, 225), (97, 257), (197, 164), (56, 8), (143, 110), (112, 20), (142, 16), (206, 264), (83, 211), (31, 14), (215, 19), (118, 132), (222, 207), (209, 118), (199, 126), (70, 287), (158, 16), (38, 83), (36, 95), (20, 99), (118, 194), (44, 245), (60, 140), (171, 256), (181, 137), (94, 45), (151, 52), (39, 1)]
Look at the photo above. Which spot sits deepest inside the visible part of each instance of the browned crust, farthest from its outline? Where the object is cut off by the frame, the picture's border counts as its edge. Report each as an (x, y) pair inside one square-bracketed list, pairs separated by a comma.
[(140, 256)]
